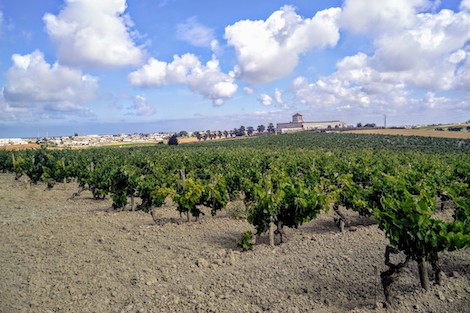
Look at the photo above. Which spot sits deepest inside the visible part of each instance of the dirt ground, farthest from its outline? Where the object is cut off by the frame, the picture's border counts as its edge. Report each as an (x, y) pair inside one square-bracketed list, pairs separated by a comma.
[(20, 147), (414, 132), (72, 255)]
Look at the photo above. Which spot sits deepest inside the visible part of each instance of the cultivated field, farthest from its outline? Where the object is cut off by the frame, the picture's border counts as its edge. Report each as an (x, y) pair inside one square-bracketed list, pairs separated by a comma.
[(87, 251)]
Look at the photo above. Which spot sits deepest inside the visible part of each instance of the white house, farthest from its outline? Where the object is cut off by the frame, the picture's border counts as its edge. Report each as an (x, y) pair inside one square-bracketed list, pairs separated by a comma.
[(298, 125), (12, 141)]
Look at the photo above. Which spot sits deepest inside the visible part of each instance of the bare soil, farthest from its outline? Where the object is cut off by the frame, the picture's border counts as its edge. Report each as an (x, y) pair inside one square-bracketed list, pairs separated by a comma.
[(414, 132), (20, 147), (63, 255)]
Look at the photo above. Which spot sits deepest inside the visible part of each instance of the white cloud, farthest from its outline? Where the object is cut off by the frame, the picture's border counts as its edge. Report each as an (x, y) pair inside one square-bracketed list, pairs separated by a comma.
[(140, 107), (164, 3), (356, 84), (432, 37), (158, 73), (462, 74), (365, 16), (196, 34), (31, 81), (265, 99), (94, 34), (278, 98), (268, 100), (465, 5), (248, 90), (207, 80), (327, 92), (429, 54), (9, 113), (426, 53), (270, 49), (421, 50)]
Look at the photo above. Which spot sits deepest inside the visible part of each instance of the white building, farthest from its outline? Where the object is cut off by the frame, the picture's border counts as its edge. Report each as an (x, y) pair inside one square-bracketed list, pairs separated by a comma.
[(12, 141), (298, 125)]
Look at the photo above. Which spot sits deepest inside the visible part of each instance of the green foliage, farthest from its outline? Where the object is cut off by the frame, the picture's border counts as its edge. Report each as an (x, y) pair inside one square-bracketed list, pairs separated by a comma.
[(119, 185), (215, 194), (189, 196), (173, 141), (408, 222), (246, 242), (279, 198), (284, 178)]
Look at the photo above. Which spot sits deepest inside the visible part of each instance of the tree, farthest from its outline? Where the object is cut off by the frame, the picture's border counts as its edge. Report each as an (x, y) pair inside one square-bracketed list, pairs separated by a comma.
[(261, 129), (198, 135), (226, 133), (183, 133), (271, 128), (219, 133), (241, 131), (250, 130), (173, 141), (359, 125)]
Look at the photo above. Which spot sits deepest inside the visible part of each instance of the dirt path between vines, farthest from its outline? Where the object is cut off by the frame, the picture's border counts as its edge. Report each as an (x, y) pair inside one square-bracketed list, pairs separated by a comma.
[(413, 132), (61, 255)]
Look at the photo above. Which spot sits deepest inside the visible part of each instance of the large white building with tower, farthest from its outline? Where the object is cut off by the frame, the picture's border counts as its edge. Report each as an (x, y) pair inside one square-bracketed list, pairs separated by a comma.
[(298, 125)]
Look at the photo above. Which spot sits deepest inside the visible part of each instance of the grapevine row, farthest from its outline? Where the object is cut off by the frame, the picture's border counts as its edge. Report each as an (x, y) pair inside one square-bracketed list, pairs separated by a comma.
[(285, 181)]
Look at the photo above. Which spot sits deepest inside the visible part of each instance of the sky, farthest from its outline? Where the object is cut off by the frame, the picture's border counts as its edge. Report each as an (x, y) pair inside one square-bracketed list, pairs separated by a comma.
[(142, 66)]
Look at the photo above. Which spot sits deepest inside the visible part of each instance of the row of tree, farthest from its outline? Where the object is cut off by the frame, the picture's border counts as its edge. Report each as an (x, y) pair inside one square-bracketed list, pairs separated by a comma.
[(236, 132)]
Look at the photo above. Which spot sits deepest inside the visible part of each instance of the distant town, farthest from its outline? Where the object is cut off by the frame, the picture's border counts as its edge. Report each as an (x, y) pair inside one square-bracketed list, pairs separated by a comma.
[(297, 124)]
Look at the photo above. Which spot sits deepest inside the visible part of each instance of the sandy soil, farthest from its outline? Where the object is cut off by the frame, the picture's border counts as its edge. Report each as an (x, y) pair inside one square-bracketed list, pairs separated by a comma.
[(414, 132), (62, 255), (20, 147)]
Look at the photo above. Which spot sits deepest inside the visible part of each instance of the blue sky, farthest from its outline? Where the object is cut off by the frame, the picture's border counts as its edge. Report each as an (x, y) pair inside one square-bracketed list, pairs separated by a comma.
[(117, 66)]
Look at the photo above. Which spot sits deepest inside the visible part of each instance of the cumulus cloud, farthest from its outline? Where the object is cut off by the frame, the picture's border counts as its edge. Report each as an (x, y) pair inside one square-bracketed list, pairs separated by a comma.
[(265, 99), (269, 49), (140, 107), (357, 84), (248, 90), (422, 50), (94, 34), (207, 80), (196, 34), (9, 113), (365, 16), (31, 81), (276, 98), (430, 43), (465, 5), (426, 53)]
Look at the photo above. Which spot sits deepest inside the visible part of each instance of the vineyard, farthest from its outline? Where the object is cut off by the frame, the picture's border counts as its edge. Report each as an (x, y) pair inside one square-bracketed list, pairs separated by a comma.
[(415, 191)]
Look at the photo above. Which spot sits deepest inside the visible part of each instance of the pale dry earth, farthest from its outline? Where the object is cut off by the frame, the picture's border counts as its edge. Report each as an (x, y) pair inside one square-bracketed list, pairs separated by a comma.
[(72, 255), (414, 132)]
